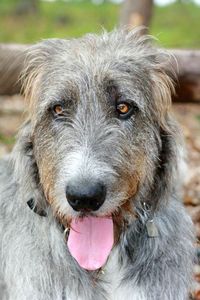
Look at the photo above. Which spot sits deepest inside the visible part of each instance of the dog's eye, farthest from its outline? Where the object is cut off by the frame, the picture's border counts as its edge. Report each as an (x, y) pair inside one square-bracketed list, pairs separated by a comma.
[(125, 109), (58, 110)]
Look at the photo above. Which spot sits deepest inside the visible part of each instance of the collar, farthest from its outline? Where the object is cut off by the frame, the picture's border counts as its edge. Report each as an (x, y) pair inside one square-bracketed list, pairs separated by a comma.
[(151, 227), (35, 208)]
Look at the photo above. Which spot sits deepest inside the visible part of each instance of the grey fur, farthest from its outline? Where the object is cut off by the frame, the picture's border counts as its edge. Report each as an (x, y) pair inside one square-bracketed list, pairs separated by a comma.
[(136, 158)]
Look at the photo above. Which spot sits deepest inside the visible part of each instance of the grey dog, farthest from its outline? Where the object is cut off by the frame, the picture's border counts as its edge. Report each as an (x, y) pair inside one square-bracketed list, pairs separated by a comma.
[(89, 206)]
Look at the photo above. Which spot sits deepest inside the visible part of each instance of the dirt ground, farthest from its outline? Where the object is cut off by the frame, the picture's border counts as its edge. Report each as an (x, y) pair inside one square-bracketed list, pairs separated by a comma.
[(188, 115)]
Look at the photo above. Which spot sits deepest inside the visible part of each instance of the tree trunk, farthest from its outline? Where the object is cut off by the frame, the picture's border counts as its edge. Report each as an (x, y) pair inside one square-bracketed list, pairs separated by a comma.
[(27, 6), (136, 13)]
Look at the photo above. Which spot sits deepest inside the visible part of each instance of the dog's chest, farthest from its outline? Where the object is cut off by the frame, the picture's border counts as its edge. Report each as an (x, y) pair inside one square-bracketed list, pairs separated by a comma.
[(112, 284), (115, 287)]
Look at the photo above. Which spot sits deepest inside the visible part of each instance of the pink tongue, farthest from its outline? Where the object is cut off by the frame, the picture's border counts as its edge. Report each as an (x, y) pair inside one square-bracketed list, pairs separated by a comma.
[(90, 241)]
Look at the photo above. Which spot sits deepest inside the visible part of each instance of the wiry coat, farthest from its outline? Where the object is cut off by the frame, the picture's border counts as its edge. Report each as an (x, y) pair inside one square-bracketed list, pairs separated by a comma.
[(137, 159)]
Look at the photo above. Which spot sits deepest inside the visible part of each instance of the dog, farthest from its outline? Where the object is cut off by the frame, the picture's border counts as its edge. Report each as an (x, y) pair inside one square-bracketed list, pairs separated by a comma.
[(89, 199)]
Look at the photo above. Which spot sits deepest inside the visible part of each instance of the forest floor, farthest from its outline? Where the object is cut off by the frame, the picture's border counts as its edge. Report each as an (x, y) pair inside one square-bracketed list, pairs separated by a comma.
[(188, 115)]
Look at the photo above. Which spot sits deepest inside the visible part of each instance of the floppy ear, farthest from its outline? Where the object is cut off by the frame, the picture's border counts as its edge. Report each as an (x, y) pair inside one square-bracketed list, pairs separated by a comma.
[(25, 168), (166, 176), (166, 173), (163, 77)]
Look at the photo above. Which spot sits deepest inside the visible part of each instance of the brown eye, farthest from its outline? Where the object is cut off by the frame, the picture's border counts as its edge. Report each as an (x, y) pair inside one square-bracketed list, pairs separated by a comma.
[(58, 110), (126, 109), (123, 108)]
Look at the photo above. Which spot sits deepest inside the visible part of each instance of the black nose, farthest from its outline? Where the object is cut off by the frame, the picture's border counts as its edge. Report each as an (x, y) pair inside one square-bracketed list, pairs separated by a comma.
[(86, 197)]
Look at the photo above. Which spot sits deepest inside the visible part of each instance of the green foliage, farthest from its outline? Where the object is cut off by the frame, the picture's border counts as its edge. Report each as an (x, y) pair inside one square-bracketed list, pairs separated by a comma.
[(7, 140), (56, 19), (198, 117), (176, 25)]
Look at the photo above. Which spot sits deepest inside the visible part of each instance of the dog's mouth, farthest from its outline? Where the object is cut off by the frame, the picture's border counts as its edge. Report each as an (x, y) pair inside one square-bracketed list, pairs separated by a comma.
[(91, 240)]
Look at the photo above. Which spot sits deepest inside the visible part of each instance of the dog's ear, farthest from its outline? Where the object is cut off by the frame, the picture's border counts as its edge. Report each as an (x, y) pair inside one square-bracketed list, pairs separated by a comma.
[(170, 141), (23, 158), (166, 176), (163, 79), (166, 179), (25, 167)]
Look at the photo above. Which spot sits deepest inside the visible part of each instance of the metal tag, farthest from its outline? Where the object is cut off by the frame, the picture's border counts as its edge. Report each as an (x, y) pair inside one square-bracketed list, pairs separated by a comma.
[(66, 232), (152, 230)]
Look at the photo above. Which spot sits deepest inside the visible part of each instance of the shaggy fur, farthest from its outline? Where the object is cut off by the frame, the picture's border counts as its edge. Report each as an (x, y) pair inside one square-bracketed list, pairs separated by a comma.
[(136, 158)]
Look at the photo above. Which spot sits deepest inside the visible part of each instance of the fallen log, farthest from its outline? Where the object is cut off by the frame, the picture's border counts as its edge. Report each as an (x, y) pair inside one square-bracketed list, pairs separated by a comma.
[(11, 64), (187, 89)]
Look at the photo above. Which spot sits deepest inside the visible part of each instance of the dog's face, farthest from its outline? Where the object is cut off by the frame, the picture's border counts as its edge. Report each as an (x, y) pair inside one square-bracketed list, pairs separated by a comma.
[(98, 105)]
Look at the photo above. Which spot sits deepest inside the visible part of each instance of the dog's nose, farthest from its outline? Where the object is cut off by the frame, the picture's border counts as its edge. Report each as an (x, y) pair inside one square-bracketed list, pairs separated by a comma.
[(86, 197)]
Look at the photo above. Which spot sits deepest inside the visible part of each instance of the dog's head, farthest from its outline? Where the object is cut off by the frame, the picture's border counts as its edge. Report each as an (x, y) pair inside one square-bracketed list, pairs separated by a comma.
[(99, 124)]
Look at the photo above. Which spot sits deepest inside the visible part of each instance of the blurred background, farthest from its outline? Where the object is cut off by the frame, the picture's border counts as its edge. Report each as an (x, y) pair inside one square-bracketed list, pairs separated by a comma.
[(176, 25)]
